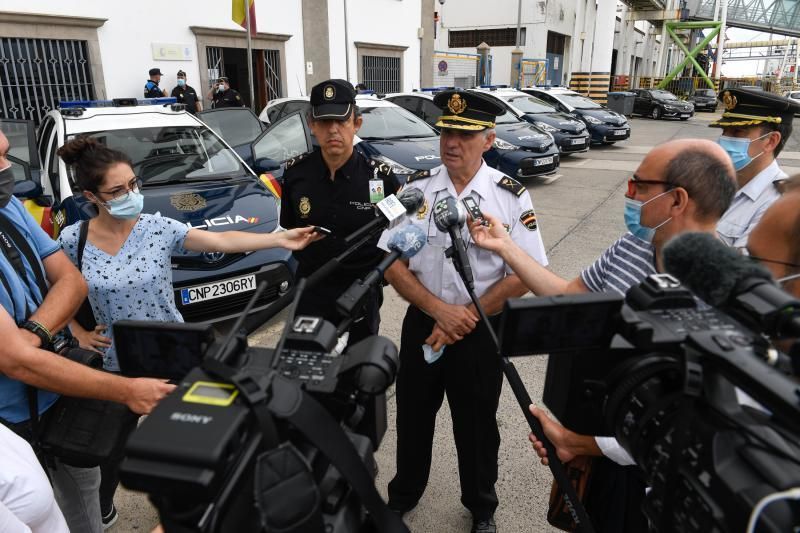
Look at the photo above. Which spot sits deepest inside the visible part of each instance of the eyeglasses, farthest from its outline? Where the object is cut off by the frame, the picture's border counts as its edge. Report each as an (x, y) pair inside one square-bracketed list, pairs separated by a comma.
[(745, 252), (117, 192), (635, 181)]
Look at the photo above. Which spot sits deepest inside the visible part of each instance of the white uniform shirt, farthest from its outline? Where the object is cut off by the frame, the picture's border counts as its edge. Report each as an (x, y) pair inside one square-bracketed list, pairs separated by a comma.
[(433, 269), (748, 206)]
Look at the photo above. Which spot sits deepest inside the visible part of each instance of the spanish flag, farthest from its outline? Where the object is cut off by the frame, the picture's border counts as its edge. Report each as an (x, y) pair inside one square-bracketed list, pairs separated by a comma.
[(238, 14)]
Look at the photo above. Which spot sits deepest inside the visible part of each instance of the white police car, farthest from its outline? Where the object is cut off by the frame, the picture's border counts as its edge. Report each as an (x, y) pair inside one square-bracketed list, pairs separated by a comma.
[(188, 172)]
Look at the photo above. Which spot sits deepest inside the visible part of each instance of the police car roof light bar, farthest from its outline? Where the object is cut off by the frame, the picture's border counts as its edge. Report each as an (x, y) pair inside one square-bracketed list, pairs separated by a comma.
[(117, 102)]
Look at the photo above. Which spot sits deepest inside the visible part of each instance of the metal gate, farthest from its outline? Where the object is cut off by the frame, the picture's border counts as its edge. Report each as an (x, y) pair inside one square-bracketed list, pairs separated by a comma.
[(272, 71), (215, 59), (216, 66), (37, 74), (381, 74)]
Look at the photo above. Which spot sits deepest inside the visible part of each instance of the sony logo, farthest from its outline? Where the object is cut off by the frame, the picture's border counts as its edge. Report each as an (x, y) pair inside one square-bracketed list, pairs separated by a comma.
[(192, 419)]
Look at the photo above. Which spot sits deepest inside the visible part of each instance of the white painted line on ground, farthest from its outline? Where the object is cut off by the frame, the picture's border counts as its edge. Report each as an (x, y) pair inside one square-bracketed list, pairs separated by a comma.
[(573, 163), (603, 164), (791, 171), (789, 155), (551, 179)]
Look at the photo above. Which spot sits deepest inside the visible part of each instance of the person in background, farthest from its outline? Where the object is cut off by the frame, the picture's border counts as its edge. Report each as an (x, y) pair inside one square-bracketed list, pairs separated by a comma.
[(151, 88), (185, 94), (222, 95)]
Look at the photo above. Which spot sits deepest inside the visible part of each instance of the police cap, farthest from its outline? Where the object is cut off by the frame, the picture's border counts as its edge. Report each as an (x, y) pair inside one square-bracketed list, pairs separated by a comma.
[(332, 99), (751, 107), (466, 110), (181, 73), (223, 78), (155, 71)]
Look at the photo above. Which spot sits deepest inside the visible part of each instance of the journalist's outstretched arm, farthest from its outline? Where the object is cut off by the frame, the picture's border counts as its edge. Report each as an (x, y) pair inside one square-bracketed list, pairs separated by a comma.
[(534, 276), (45, 370)]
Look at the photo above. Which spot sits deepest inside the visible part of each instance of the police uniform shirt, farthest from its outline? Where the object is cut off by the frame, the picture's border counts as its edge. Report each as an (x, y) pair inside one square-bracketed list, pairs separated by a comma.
[(496, 194), (342, 205), (749, 204), (228, 98), (151, 90), (186, 95)]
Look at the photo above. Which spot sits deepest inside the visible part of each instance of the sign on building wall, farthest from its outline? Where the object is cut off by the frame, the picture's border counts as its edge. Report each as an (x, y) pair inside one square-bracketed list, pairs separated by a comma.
[(171, 52)]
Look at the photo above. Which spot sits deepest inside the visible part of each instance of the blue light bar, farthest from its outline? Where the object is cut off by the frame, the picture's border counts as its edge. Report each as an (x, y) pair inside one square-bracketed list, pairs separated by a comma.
[(366, 91), (117, 102), (433, 89)]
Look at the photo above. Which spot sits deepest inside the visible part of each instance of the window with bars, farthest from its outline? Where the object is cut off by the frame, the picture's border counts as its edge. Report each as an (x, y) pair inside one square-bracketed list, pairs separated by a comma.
[(381, 73), (37, 74), (492, 37)]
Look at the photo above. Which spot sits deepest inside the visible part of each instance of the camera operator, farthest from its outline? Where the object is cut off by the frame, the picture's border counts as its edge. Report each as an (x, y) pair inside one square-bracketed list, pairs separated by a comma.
[(41, 317), (441, 315), (683, 185)]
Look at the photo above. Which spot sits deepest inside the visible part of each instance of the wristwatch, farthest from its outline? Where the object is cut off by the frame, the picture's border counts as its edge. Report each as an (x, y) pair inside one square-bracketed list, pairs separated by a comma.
[(40, 331)]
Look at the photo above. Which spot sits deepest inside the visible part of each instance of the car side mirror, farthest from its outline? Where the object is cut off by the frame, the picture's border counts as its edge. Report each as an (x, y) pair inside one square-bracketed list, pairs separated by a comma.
[(265, 164), (27, 189)]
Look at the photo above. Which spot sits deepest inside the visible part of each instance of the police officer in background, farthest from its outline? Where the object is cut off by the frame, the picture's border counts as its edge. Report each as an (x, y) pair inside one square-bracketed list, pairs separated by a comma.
[(185, 94), (441, 316), (151, 88), (755, 127), (332, 187), (221, 95)]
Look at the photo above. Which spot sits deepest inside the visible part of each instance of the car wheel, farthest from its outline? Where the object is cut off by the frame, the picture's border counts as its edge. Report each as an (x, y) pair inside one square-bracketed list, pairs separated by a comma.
[(655, 112)]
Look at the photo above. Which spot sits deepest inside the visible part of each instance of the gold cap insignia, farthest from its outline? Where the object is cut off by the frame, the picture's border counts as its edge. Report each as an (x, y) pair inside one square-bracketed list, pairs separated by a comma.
[(456, 104), (329, 92), (188, 202), (729, 101), (305, 206)]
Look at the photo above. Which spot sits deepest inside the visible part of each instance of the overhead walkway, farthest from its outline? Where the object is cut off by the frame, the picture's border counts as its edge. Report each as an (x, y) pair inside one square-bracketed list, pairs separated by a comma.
[(773, 16)]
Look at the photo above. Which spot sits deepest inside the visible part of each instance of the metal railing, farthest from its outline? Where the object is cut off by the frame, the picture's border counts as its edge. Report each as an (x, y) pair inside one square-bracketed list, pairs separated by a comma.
[(686, 86), (381, 73)]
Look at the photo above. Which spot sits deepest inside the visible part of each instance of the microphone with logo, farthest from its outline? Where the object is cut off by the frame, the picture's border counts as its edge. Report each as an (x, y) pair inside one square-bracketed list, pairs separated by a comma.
[(390, 212), (449, 216), (736, 284), (404, 244)]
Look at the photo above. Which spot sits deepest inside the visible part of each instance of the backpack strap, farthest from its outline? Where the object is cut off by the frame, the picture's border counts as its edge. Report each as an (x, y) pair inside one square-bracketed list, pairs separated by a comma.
[(82, 235)]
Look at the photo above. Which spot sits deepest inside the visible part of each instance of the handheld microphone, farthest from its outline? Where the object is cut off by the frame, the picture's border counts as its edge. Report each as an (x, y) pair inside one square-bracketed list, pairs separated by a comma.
[(404, 244), (448, 215), (721, 277), (391, 211)]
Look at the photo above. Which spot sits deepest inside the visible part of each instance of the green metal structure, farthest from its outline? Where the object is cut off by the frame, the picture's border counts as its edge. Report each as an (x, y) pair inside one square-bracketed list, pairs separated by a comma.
[(690, 55)]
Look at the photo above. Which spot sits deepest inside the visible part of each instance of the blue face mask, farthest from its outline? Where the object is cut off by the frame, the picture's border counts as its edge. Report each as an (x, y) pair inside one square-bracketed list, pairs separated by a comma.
[(127, 206), (181, 82), (633, 218), (739, 149)]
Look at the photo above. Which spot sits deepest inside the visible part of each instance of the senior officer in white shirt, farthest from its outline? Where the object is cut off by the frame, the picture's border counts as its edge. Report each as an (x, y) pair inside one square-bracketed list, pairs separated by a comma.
[(442, 317), (756, 125)]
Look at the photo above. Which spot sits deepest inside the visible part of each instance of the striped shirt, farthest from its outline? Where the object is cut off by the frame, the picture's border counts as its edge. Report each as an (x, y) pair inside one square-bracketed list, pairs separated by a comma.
[(625, 263)]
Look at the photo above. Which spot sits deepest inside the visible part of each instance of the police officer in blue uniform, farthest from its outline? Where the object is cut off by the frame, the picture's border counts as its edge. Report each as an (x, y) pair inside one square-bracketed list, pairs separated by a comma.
[(444, 349), (336, 187), (151, 88)]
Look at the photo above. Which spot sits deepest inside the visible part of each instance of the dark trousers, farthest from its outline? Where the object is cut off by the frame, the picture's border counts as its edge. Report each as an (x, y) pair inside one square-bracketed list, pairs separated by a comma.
[(321, 301), (469, 372), (109, 470)]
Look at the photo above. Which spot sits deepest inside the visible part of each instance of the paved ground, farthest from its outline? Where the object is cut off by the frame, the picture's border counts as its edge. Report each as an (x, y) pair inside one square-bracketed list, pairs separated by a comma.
[(580, 214)]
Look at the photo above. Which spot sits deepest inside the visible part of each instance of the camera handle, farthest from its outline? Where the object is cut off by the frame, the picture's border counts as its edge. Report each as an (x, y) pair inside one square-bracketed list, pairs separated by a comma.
[(571, 499)]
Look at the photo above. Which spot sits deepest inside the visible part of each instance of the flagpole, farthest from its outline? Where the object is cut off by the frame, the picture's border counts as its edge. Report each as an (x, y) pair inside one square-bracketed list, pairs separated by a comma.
[(249, 55)]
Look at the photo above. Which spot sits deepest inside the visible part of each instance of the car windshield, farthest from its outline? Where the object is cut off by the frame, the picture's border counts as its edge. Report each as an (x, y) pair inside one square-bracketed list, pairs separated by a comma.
[(578, 102), (392, 123), (705, 92), (174, 153), (663, 95), (530, 104), (236, 126)]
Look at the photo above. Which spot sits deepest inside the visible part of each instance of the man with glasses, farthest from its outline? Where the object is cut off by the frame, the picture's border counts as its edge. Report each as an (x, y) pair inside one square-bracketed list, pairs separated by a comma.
[(755, 126), (442, 317), (680, 186)]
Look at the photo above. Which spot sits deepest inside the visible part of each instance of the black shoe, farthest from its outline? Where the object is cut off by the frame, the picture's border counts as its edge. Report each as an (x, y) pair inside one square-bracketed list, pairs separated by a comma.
[(399, 510), (484, 525), (110, 518)]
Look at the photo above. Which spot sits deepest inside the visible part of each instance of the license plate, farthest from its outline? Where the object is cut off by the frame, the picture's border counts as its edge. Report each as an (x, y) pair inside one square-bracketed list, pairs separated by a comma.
[(543, 161), (685, 115), (620, 132), (578, 141), (218, 289)]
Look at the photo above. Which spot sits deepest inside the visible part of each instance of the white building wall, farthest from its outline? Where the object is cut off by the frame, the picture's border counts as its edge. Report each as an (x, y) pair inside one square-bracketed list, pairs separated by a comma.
[(125, 39), (391, 22)]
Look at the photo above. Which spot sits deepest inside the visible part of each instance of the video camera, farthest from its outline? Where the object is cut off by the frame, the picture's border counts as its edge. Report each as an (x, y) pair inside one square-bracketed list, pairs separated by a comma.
[(661, 372), (274, 440)]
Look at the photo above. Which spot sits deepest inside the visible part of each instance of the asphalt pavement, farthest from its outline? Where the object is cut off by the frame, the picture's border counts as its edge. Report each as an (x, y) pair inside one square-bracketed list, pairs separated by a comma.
[(580, 214)]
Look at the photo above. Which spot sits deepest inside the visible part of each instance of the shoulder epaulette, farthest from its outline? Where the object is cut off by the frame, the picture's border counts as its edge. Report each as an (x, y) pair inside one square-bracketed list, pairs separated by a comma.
[(422, 174), (511, 185), (293, 161)]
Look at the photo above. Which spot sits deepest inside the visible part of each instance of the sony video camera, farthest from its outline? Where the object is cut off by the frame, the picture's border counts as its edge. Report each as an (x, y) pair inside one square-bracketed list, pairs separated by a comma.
[(668, 376)]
